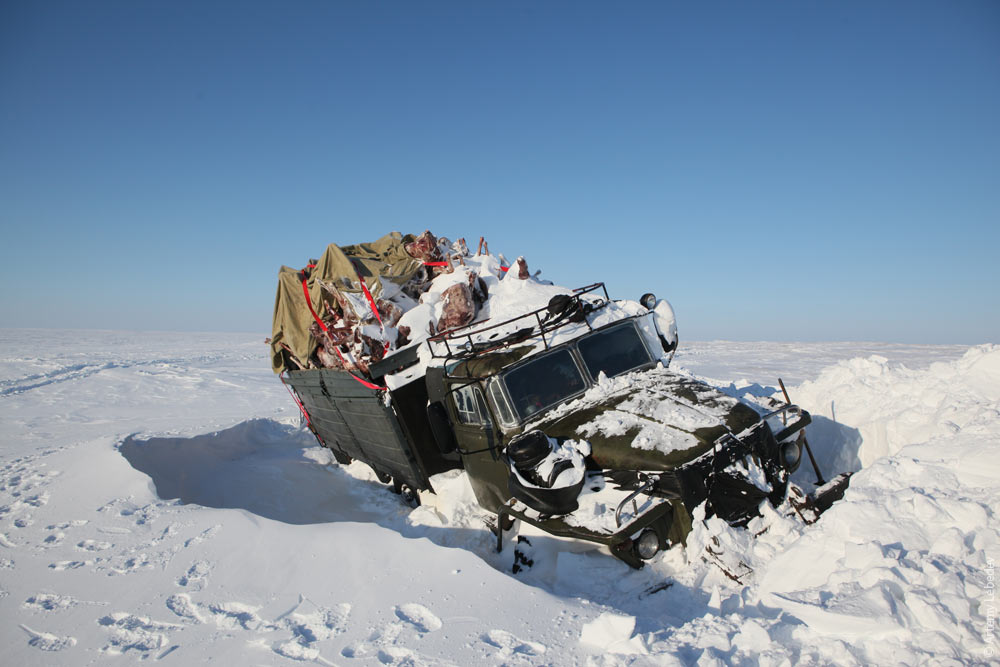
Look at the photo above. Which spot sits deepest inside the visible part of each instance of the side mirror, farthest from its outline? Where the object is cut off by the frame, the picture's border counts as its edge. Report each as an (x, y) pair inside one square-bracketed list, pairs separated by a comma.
[(665, 322)]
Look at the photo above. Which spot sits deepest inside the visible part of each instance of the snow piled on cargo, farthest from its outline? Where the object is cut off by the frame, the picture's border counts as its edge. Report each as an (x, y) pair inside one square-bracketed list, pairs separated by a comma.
[(281, 556), (509, 299)]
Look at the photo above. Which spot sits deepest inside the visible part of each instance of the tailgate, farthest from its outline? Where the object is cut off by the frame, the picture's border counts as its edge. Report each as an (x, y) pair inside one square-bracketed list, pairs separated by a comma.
[(352, 419)]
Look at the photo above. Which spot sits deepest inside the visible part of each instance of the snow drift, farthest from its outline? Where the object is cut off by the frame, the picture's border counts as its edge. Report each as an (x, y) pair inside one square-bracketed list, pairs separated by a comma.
[(894, 406), (94, 565), (900, 570)]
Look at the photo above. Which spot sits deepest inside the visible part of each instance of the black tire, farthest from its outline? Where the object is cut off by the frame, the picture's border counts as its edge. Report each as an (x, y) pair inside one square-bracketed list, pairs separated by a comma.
[(409, 495)]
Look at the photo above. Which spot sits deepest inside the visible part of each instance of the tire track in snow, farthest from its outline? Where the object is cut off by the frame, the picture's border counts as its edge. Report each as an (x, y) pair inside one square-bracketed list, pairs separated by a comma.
[(81, 371), (59, 375)]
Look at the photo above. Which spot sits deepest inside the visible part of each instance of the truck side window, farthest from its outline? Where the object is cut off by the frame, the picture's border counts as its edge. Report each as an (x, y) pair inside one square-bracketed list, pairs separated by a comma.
[(500, 402), (467, 404)]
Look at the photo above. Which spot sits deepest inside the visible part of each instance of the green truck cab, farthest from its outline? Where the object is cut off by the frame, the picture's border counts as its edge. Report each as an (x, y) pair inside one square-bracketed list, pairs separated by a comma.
[(565, 417)]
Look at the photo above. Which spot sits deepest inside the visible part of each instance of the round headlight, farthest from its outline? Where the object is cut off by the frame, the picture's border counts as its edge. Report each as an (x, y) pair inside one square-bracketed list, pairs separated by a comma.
[(791, 452), (648, 300), (648, 545)]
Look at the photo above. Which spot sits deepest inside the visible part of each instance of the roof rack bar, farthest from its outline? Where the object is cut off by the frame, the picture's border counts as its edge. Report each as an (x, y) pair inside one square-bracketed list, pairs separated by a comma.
[(468, 331)]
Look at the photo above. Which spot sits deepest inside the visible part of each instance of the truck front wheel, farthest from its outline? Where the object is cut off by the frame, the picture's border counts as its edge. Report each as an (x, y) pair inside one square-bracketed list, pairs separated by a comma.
[(409, 495)]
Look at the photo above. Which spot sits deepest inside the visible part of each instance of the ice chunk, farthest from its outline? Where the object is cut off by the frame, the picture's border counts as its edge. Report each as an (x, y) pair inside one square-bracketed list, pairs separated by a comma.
[(612, 633)]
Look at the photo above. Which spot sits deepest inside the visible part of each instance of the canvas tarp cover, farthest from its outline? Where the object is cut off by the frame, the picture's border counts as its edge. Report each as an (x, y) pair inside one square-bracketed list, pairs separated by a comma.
[(385, 258)]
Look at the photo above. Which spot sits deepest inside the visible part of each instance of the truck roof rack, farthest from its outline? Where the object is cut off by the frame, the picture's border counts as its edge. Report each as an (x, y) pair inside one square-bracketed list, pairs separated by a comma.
[(459, 343)]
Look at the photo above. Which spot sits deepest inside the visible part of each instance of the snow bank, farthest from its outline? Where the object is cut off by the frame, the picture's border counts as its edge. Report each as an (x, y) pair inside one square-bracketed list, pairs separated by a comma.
[(902, 565), (892, 406), (901, 570)]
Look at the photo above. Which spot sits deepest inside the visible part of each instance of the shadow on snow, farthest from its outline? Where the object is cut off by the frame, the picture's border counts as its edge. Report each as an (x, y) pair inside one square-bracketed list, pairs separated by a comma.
[(261, 466)]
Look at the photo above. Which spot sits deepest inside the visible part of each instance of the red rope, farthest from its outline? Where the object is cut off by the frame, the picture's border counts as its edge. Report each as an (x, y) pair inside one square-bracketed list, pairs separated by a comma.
[(297, 401), (336, 348), (371, 302), (368, 295), (305, 291)]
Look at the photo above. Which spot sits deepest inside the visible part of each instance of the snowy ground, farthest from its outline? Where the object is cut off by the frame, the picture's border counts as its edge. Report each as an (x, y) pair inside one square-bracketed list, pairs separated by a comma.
[(281, 556)]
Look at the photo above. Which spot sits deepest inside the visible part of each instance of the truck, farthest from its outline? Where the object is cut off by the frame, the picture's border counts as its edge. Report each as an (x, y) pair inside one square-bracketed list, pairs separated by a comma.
[(560, 405)]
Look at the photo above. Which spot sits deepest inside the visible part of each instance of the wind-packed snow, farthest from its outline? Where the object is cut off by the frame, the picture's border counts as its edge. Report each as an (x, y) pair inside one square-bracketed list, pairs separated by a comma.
[(159, 501)]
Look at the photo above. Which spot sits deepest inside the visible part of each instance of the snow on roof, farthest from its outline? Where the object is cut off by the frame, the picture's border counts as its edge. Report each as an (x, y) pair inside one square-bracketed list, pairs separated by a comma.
[(509, 298)]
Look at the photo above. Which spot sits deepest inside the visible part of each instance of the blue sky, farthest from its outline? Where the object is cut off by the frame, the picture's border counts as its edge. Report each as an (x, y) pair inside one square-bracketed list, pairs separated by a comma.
[(778, 170)]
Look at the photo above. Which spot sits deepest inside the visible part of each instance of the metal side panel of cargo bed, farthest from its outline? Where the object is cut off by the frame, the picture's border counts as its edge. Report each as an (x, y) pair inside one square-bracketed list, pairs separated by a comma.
[(352, 419)]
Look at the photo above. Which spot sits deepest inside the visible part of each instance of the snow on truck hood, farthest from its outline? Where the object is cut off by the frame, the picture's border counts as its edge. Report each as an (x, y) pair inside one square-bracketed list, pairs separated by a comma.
[(657, 410)]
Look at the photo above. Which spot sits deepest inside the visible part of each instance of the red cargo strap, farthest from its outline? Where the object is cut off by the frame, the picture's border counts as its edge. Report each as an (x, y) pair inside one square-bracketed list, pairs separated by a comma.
[(296, 399), (371, 302), (305, 290), (368, 295), (336, 348)]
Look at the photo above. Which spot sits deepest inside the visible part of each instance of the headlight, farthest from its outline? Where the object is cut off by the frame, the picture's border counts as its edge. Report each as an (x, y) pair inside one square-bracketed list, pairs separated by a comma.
[(791, 452), (648, 545), (648, 300)]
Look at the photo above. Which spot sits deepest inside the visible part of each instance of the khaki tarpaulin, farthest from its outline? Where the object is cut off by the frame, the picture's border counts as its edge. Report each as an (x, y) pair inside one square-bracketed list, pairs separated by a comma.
[(340, 266)]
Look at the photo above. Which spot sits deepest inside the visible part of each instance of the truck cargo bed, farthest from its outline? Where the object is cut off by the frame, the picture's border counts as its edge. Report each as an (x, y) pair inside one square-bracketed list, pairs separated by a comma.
[(353, 420)]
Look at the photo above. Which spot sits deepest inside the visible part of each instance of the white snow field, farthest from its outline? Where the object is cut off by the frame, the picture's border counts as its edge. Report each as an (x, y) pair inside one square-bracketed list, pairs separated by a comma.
[(158, 501)]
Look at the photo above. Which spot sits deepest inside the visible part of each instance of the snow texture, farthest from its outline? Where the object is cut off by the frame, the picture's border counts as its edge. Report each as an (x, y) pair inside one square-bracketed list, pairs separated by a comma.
[(159, 501)]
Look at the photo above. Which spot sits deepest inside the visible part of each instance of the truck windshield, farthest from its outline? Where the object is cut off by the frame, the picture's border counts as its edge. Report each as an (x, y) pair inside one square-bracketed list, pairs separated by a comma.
[(545, 381), (613, 351)]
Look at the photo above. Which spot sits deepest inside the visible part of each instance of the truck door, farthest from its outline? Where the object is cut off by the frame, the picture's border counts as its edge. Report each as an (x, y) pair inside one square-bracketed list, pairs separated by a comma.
[(479, 444)]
